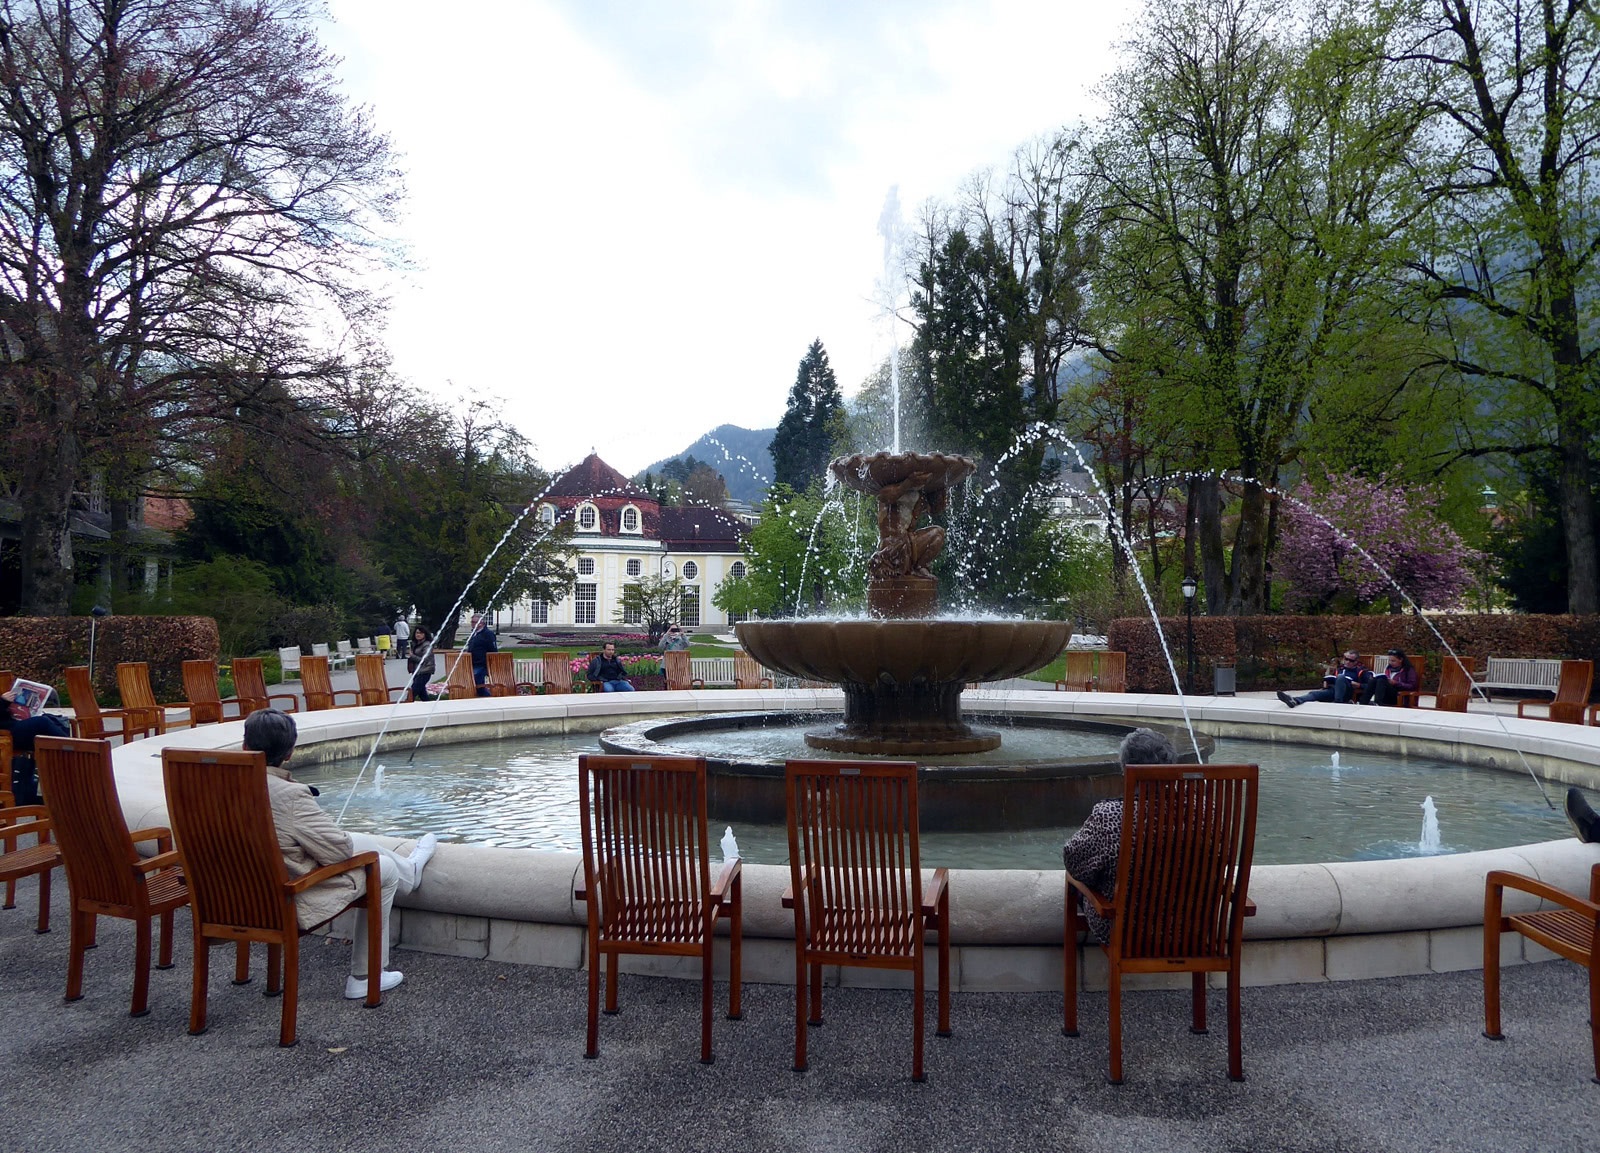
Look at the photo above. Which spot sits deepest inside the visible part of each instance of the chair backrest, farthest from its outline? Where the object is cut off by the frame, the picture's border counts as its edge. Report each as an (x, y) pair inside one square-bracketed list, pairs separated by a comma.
[(645, 840), (86, 714), (680, 673), (250, 684), (1577, 678), (557, 672), (200, 686), (365, 645), (346, 649), (7, 679), (319, 650), (1183, 868), (1079, 671), (502, 669), (316, 683), (222, 821), (289, 659), (459, 684), (1455, 685), (81, 792), (748, 672), (1112, 676), (133, 681), (853, 849), (372, 681)]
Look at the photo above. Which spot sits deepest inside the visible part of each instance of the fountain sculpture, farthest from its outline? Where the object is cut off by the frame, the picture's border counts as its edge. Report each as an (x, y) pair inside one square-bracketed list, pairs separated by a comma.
[(903, 670)]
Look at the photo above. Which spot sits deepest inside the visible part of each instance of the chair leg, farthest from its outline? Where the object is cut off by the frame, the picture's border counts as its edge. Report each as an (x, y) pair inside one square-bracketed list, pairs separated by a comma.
[(241, 964), (816, 995), (918, 1007), (800, 980), (11, 894), (275, 968), (705, 994), (79, 926), (1594, 1010), (592, 1046), (164, 957), (613, 968), (202, 972), (1491, 963), (44, 901), (1069, 969), (1235, 1025), (944, 964), (141, 967), (1114, 1011), (735, 951), (291, 984), (1199, 994)]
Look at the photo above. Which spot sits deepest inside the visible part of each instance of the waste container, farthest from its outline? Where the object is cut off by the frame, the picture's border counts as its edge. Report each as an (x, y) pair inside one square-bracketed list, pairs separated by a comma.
[(1225, 680)]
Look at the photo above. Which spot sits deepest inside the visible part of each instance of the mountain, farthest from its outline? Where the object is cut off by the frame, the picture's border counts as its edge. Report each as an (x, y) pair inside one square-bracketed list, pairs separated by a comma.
[(743, 456)]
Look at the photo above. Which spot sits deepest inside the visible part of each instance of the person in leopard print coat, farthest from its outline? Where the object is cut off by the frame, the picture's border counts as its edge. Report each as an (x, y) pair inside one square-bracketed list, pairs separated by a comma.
[(1091, 854)]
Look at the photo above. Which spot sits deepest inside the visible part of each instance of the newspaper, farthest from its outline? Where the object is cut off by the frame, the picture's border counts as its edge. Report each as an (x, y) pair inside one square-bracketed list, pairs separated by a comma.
[(31, 695)]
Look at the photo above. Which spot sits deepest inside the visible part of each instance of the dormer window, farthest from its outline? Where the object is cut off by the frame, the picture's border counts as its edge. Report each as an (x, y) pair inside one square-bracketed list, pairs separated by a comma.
[(547, 515), (588, 518), (630, 519)]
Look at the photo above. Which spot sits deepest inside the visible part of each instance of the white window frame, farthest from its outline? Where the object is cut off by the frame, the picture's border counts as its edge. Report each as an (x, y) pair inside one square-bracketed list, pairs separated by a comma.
[(586, 566), (737, 569), (635, 566), (691, 570), (539, 612), (638, 520), (547, 515), (585, 604), (587, 509), (689, 607)]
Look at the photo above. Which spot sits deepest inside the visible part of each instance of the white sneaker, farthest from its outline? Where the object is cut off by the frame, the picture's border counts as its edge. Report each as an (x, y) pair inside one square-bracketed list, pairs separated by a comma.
[(355, 988), (421, 855)]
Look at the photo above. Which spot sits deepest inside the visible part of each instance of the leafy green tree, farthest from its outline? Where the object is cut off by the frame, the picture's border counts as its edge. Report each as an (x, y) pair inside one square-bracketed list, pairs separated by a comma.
[(807, 553), (656, 601), (811, 423)]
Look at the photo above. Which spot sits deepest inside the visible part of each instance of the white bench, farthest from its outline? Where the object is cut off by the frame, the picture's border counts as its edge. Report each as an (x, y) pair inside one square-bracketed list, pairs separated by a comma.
[(713, 672), (1521, 674)]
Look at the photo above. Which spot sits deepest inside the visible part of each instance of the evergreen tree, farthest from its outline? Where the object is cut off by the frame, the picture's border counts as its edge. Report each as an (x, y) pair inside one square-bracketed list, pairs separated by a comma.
[(814, 418)]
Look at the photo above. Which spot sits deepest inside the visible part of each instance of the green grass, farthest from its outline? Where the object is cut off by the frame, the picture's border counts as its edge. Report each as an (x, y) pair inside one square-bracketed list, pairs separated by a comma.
[(1051, 672)]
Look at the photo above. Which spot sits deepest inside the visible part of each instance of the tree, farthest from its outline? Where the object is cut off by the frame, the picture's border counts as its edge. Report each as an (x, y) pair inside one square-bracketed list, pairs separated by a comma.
[(656, 601), (1510, 260), (811, 423), (184, 198), (705, 486), (806, 553)]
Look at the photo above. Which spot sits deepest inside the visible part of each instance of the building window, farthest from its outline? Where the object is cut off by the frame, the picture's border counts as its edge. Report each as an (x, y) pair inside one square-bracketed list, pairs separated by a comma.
[(632, 613), (583, 605), (588, 518), (630, 519), (586, 566), (635, 568), (736, 570), (689, 615), (539, 612), (547, 514), (690, 570)]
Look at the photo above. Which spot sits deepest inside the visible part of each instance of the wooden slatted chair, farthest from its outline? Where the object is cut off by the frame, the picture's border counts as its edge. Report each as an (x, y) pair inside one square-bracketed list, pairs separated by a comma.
[(1078, 675), (459, 684), (557, 672), (238, 882), (250, 686), (856, 885), (679, 668), (1183, 874), (1111, 673), (647, 876), (35, 860), (1572, 694), (7, 679), (7, 799), (1455, 687), (502, 679), (88, 718), (1571, 927), (316, 682), (139, 699), (207, 706), (373, 679), (748, 673), (106, 876)]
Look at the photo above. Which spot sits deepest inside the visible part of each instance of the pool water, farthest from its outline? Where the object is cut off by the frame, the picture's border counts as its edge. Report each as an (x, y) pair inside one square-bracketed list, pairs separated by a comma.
[(523, 793)]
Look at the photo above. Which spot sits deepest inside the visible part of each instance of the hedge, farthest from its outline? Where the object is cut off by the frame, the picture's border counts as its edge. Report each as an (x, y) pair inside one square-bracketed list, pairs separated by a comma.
[(41, 648), (1272, 652)]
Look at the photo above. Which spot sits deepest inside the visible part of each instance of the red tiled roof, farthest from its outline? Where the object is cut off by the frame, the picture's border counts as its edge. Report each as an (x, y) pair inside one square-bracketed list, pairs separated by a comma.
[(682, 528), (593, 477)]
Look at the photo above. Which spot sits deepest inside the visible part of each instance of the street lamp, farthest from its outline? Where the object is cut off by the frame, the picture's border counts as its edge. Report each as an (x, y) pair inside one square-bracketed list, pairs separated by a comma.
[(1189, 587), (94, 618)]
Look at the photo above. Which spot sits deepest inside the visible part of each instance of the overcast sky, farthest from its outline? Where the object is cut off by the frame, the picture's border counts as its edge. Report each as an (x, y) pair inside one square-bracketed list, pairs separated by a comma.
[(630, 218)]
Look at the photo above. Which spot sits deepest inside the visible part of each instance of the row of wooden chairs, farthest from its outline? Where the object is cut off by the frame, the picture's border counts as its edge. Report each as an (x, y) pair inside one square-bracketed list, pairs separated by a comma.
[(1568, 707), (1091, 671)]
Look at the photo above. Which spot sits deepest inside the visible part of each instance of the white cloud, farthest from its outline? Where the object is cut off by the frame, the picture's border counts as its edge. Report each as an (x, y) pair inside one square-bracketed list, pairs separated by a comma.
[(630, 219)]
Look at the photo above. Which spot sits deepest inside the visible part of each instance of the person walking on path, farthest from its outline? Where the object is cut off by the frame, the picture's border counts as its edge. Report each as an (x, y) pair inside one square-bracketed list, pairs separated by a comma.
[(402, 635), (480, 644), (421, 663)]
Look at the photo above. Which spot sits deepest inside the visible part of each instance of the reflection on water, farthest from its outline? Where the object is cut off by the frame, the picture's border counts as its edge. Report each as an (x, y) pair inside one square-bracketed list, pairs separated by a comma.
[(524, 793)]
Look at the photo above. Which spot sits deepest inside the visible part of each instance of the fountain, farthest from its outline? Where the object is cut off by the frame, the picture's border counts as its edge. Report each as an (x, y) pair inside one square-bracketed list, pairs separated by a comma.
[(903, 669)]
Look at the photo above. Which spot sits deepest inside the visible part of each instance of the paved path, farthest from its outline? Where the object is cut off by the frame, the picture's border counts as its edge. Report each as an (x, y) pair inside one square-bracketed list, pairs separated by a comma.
[(473, 1055)]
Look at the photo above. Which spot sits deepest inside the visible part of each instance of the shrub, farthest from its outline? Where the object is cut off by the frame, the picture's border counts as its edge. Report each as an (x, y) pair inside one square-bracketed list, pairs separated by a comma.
[(41, 648)]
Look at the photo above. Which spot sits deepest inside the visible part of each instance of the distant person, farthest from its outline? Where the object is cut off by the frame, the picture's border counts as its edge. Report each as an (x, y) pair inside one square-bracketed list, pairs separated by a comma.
[(1091, 854), (674, 641), (607, 671), (309, 839), (480, 644), (23, 726), (420, 663), (1399, 676), (1584, 820), (402, 635), (1349, 681)]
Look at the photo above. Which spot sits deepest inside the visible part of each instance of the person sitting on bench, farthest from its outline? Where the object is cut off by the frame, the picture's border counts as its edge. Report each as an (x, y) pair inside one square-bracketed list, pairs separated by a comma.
[(1351, 681)]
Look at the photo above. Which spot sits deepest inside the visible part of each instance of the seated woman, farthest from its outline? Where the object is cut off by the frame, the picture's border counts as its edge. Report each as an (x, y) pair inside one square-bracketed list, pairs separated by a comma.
[(1387, 684)]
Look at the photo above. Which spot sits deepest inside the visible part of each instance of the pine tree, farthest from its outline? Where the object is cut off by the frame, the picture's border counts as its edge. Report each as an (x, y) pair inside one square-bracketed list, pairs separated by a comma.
[(804, 440)]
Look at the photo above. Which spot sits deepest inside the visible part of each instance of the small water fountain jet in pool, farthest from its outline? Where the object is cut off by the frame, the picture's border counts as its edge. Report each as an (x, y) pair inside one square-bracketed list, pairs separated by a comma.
[(1430, 842), (903, 670)]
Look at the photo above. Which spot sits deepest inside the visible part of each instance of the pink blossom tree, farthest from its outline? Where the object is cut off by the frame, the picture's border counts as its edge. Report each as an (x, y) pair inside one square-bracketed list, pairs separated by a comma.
[(1333, 542)]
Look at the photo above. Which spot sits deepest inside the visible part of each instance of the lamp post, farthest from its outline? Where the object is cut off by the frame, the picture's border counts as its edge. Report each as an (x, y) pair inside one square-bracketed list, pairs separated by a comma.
[(1189, 587), (94, 618)]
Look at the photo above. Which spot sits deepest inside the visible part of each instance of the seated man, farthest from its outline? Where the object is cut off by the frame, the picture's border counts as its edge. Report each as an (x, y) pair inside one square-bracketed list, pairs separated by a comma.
[(24, 727), (309, 839), (607, 671), (1352, 681)]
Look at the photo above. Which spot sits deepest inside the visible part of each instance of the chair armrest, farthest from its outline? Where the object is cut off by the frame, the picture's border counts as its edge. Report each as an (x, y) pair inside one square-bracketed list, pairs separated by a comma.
[(160, 834), (40, 822), (1499, 879), (934, 892), (1523, 704), (1249, 907), (724, 882), (337, 693), (166, 860), (327, 872), (1091, 898), (788, 890), (294, 701)]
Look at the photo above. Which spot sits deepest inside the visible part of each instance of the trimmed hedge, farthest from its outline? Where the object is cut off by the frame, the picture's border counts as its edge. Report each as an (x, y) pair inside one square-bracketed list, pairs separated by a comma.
[(41, 648), (1272, 652)]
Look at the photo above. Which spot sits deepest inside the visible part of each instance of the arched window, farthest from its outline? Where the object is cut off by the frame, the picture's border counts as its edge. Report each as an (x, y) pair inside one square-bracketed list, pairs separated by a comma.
[(635, 568), (736, 569), (547, 514), (690, 570), (588, 518), (630, 519)]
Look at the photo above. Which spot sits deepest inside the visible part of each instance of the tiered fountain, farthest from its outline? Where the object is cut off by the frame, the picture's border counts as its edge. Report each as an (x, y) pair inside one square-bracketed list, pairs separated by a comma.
[(903, 670)]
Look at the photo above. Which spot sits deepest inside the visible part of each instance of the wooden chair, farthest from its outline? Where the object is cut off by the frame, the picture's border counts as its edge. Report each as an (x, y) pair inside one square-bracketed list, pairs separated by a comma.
[(557, 672), (459, 684), (502, 680), (7, 679), (88, 718), (239, 885), (679, 668), (1455, 687), (289, 660), (139, 699), (647, 876), (106, 876), (1572, 694), (250, 686), (7, 799), (748, 672), (1078, 675), (317, 684), (1183, 871), (1570, 928), (1111, 673), (856, 885), (373, 679), (207, 706), (35, 860)]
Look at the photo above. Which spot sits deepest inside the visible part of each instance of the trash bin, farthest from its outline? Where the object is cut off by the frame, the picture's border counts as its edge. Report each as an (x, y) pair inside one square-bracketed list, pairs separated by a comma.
[(1226, 680)]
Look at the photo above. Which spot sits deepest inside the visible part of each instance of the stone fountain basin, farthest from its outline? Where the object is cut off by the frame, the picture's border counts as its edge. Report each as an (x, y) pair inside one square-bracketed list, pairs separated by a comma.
[(872, 472), (905, 651)]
